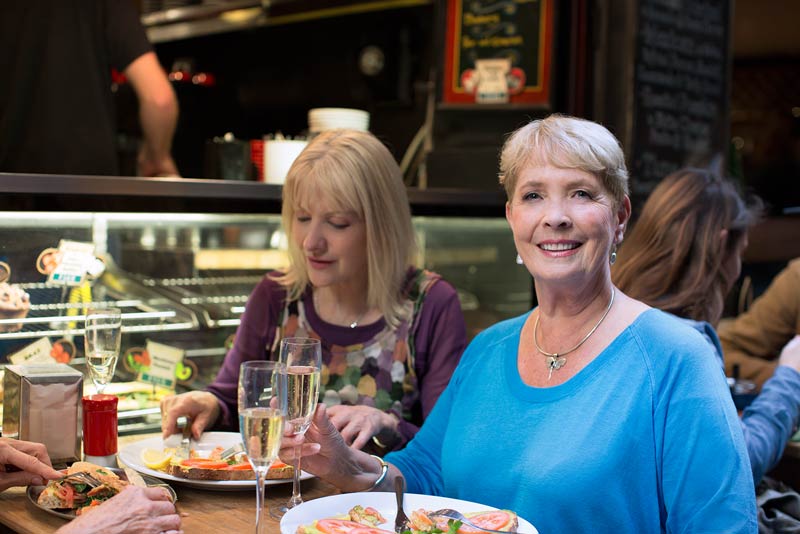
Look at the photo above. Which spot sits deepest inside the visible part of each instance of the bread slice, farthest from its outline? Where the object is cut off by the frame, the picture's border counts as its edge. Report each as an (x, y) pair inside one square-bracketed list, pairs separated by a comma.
[(198, 473)]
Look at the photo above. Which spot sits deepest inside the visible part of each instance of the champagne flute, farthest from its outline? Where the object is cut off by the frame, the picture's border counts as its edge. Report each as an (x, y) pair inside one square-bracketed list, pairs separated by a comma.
[(303, 359), (262, 409), (101, 344)]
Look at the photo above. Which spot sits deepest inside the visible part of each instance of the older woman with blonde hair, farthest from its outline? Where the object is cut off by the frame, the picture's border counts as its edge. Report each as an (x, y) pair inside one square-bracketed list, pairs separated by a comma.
[(592, 412), (391, 333), (683, 256)]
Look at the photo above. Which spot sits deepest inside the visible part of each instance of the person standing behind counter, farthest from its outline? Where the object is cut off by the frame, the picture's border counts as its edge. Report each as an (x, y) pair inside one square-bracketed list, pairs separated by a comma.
[(391, 334), (592, 412), (56, 105)]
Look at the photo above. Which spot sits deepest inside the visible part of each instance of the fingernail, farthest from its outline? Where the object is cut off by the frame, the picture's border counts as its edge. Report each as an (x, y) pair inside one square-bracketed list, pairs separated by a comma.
[(37, 481)]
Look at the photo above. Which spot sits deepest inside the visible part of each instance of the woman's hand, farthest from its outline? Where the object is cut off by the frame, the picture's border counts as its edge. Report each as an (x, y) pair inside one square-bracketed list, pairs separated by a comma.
[(790, 355), (30, 458), (133, 510), (201, 407), (326, 455), (358, 424)]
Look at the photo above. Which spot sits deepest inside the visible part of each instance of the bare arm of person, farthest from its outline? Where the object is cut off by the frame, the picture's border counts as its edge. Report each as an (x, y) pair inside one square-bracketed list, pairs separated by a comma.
[(201, 407), (133, 510), (158, 115), (30, 458)]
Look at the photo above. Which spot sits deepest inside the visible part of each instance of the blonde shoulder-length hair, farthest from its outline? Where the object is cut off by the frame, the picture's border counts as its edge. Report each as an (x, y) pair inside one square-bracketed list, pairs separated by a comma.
[(355, 172)]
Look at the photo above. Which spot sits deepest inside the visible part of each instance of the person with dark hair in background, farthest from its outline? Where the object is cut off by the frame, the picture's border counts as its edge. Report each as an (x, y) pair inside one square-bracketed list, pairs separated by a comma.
[(683, 256), (56, 104)]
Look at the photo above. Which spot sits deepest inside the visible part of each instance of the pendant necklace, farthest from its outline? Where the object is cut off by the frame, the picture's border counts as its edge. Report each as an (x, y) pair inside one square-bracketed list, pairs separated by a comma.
[(354, 324), (555, 360)]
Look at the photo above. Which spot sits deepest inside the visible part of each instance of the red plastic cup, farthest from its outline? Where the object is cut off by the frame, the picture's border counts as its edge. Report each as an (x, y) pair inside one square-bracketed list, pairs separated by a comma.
[(99, 425)]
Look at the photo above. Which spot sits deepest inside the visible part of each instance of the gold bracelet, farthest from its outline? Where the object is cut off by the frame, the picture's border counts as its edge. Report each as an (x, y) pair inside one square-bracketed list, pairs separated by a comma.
[(382, 476)]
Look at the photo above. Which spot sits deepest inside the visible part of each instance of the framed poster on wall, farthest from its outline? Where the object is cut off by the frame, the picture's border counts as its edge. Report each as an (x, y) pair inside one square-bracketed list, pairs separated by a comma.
[(498, 51)]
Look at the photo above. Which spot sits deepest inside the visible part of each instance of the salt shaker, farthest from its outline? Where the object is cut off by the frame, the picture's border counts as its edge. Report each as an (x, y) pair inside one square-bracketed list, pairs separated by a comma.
[(100, 429)]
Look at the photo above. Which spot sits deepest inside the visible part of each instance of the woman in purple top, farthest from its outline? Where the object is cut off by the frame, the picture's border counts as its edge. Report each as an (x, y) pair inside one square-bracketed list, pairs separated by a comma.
[(391, 333)]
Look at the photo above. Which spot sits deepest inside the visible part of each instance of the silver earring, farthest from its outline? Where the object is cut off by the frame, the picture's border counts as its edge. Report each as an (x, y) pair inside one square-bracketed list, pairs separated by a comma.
[(613, 259), (519, 259)]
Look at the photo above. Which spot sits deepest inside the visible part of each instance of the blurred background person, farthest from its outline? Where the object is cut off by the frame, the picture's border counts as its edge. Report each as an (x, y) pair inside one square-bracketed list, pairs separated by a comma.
[(391, 333), (56, 105), (755, 339), (591, 389), (683, 256)]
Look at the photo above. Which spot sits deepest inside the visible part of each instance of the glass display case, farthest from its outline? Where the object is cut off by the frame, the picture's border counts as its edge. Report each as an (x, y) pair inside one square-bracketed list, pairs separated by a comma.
[(181, 259)]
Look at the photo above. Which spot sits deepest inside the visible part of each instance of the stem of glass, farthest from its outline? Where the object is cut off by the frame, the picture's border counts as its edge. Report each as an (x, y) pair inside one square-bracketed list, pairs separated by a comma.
[(296, 498), (261, 520)]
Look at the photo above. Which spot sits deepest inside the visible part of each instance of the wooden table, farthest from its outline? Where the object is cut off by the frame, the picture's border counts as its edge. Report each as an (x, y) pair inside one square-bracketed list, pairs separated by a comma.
[(204, 511)]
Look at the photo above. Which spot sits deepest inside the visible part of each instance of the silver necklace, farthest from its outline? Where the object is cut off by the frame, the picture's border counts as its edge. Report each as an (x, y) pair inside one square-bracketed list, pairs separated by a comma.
[(555, 360), (354, 324)]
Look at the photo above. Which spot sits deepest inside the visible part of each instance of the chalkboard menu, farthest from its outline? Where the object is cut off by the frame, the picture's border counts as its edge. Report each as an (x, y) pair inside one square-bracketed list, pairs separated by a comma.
[(681, 88), (517, 30)]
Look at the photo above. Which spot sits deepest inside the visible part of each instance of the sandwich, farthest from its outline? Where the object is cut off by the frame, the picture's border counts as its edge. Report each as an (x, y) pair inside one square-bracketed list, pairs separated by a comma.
[(358, 520), (72, 492), (213, 468)]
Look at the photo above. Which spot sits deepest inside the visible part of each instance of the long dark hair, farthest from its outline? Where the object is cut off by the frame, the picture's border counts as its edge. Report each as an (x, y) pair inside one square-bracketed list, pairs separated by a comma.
[(673, 257)]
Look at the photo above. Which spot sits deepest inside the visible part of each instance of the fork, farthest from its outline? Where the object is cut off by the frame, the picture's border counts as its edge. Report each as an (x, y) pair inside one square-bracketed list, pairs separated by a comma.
[(232, 451), (453, 514), (401, 519), (81, 478)]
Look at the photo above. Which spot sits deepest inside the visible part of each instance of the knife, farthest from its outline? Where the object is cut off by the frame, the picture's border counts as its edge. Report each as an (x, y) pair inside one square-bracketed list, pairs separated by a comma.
[(135, 478), (184, 424)]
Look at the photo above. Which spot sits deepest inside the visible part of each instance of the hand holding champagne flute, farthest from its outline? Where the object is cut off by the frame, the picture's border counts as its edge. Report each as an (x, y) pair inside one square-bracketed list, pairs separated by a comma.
[(262, 409), (101, 344), (303, 360)]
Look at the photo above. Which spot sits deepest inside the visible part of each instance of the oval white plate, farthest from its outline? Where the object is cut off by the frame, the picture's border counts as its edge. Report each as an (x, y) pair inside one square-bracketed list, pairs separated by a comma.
[(131, 455), (336, 505)]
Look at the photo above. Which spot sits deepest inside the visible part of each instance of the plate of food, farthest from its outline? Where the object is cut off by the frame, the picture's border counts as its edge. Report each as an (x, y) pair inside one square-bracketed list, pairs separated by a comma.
[(156, 457), (76, 493), (373, 513)]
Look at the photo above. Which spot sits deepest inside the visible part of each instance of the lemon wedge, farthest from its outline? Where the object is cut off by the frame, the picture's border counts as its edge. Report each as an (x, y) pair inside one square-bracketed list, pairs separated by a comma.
[(156, 458)]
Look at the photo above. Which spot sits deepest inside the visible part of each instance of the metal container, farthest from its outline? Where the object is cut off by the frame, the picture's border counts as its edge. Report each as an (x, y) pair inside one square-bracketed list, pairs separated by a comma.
[(42, 405)]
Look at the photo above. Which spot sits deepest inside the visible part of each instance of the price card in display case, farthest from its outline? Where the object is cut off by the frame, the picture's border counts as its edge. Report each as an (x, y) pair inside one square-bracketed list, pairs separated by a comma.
[(164, 361), (75, 260)]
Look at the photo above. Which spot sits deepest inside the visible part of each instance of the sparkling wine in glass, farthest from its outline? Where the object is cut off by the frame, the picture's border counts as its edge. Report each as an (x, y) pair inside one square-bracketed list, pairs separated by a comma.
[(101, 344), (303, 359), (262, 409)]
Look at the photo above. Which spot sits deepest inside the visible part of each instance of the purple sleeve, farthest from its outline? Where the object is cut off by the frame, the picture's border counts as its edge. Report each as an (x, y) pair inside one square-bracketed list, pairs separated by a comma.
[(252, 341), (439, 339)]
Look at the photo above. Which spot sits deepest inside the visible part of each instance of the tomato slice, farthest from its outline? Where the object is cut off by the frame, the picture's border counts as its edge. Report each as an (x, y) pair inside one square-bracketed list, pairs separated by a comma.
[(240, 467), (491, 520), (205, 463), (342, 526)]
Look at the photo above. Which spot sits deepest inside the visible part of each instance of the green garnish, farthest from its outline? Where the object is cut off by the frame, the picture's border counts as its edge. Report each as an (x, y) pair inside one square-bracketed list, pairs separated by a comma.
[(102, 472), (80, 488), (452, 528)]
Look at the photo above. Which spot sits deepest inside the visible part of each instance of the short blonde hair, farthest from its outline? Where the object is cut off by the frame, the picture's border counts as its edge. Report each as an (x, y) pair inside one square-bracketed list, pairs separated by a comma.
[(357, 173), (567, 143)]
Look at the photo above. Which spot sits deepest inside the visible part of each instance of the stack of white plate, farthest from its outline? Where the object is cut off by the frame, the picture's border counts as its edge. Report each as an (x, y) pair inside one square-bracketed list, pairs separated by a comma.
[(321, 119)]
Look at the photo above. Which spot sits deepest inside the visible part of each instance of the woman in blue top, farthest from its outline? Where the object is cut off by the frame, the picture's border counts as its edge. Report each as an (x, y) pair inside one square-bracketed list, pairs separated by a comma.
[(683, 256), (591, 413)]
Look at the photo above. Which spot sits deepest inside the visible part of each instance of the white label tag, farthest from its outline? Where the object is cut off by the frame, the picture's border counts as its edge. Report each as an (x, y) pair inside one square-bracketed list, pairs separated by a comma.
[(36, 352), (163, 361), (492, 82), (76, 259)]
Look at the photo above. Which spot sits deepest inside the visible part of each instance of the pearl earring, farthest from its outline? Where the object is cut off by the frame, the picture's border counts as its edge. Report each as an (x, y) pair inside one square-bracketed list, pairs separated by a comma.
[(519, 259)]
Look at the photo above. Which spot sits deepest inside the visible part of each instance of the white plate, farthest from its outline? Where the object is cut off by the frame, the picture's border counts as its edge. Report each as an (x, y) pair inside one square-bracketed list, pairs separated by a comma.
[(385, 503), (131, 456)]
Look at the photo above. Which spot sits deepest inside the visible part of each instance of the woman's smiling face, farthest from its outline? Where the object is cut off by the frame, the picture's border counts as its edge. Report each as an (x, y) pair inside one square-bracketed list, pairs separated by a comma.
[(564, 222)]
